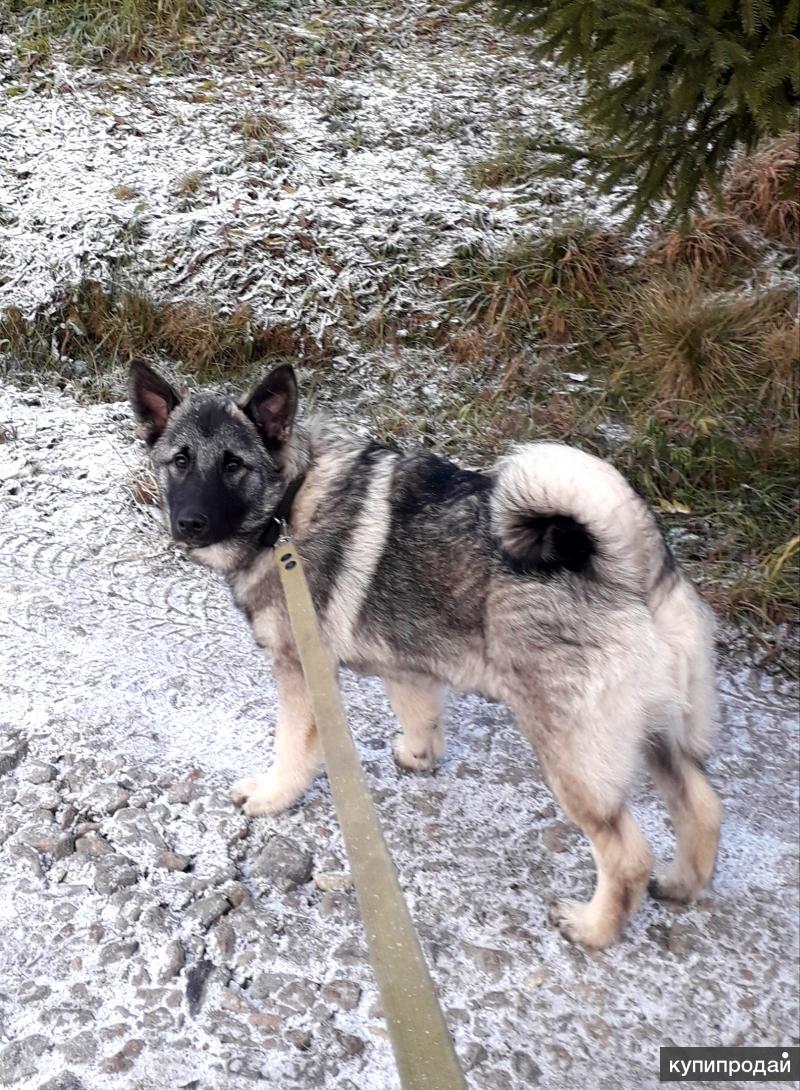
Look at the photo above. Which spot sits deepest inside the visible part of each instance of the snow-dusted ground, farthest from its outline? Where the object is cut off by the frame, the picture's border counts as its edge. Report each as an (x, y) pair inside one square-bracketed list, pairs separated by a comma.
[(131, 695), (363, 187)]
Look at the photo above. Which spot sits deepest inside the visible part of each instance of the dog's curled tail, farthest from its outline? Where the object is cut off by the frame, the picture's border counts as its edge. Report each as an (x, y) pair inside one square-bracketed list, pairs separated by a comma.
[(556, 509)]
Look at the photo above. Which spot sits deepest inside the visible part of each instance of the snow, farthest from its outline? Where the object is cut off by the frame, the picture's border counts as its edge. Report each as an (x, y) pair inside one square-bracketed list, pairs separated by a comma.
[(124, 664)]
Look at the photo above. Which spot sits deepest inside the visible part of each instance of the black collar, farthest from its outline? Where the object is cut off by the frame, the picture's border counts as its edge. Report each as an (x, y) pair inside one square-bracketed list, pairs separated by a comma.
[(280, 516)]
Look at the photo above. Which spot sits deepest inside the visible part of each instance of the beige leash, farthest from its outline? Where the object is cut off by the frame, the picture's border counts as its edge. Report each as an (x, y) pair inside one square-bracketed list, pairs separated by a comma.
[(423, 1049)]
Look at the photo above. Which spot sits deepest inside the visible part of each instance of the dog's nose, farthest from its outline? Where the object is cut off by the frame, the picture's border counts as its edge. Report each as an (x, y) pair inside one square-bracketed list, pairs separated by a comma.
[(191, 525)]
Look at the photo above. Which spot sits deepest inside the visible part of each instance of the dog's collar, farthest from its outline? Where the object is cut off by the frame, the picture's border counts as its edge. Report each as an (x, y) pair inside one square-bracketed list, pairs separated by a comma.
[(280, 516)]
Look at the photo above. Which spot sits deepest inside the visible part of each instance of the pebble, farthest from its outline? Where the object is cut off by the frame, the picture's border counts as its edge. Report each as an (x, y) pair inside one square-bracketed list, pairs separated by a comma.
[(172, 861), (20, 1059), (344, 994), (492, 962), (38, 772), (123, 1060), (556, 836), (285, 862), (208, 909)]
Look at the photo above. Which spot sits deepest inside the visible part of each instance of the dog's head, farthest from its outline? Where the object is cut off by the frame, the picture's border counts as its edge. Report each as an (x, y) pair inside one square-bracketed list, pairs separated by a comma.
[(218, 464)]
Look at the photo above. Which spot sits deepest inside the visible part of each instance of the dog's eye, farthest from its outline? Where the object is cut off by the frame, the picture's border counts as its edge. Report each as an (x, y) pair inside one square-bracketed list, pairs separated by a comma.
[(232, 463), (180, 461)]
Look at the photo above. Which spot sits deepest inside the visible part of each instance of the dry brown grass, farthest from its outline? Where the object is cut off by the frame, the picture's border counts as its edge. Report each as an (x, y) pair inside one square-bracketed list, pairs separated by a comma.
[(117, 327), (701, 346), (258, 126), (721, 243), (537, 284), (764, 189)]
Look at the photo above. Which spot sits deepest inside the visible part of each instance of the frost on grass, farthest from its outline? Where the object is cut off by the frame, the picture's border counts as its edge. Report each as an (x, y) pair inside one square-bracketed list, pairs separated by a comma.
[(320, 199)]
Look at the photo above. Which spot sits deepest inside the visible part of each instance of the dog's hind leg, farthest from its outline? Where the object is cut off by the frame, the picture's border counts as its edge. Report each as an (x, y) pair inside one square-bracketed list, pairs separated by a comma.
[(418, 704), (298, 752), (589, 775), (696, 814)]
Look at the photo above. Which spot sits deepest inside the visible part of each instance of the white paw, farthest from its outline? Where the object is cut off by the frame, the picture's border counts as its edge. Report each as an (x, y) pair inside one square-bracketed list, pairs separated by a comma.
[(424, 759), (582, 923), (259, 795)]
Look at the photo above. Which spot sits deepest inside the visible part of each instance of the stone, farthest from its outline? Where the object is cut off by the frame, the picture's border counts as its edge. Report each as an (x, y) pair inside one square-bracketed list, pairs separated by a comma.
[(81, 1048), (120, 950), (351, 1044), (13, 750), (20, 1059), (473, 1055), (556, 836), (224, 939), (208, 909), (529, 1072), (196, 980), (114, 872), (344, 994), (333, 883), (94, 845), (264, 1020), (172, 961), (65, 1081), (105, 798), (183, 792), (492, 962), (123, 1060), (284, 862), (134, 827), (38, 772), (172, 861), (49, 840), (679, 939), (300, 1038)]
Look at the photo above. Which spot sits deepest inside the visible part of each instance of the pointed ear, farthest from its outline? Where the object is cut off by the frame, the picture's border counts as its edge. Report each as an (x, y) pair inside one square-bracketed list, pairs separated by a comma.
[(273, 404), (153, 399)]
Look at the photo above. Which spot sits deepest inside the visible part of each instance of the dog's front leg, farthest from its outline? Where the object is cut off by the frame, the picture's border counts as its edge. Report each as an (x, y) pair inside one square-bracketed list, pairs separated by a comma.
[(298, 753)]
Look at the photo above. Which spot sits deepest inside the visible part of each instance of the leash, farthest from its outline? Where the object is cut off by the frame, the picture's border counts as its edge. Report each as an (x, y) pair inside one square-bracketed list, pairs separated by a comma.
[(423, 1048)]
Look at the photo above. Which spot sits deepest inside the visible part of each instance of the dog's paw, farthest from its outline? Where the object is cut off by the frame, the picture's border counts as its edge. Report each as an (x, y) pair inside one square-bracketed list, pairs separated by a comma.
[(580, 923), (261, 795), (667, 887), (422, 761)]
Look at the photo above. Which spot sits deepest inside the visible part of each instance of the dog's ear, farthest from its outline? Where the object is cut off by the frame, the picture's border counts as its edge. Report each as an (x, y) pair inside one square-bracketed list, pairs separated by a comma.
[(153, 399), (272, 406)]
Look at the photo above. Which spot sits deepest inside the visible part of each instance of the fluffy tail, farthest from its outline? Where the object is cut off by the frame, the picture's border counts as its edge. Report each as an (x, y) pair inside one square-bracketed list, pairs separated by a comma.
[(555, 508), (558, 510)]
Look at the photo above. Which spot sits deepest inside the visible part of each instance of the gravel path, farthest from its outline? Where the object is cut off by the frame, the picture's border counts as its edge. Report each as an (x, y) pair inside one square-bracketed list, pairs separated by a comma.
[(152, 937)]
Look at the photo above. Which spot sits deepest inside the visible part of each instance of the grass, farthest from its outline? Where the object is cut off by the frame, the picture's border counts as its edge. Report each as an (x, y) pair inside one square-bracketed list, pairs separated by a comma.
[(543, 282), (764, 190), (104, 29), (716, 244), (690, 389), (91, 334)]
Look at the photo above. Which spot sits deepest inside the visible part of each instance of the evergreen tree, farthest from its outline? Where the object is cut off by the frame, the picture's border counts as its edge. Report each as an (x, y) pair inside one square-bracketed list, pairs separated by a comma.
[(673, 87)]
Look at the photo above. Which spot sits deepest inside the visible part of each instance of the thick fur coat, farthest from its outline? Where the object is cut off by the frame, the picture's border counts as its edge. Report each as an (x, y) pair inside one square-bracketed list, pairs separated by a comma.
[(546, 585)]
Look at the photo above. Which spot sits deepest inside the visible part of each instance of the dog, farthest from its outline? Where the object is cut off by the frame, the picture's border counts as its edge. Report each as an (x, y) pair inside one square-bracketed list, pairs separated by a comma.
[(545, 584)]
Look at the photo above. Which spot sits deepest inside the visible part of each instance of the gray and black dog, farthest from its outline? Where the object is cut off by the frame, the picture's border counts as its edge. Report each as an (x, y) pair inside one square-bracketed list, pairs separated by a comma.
[(545, 584)]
